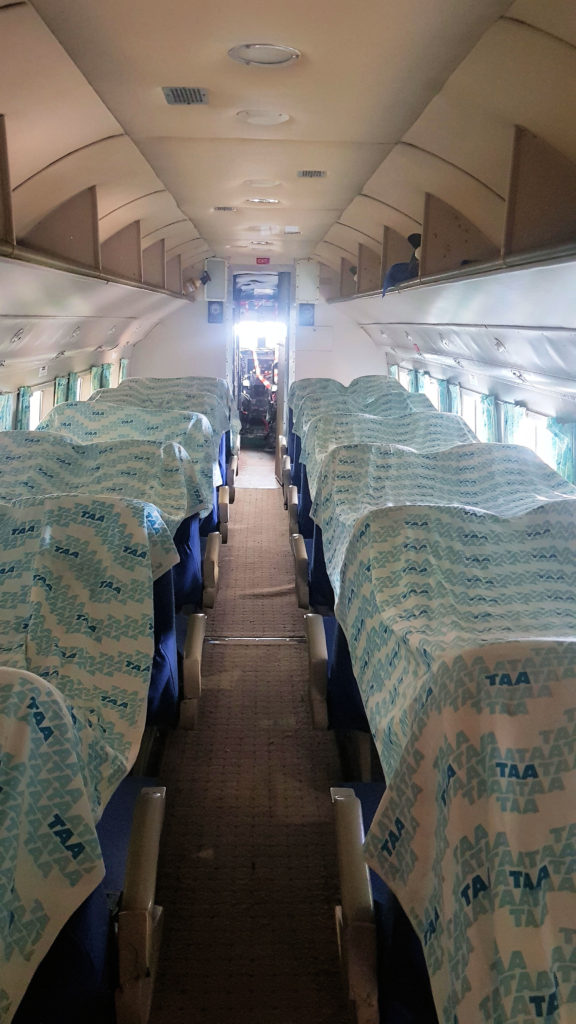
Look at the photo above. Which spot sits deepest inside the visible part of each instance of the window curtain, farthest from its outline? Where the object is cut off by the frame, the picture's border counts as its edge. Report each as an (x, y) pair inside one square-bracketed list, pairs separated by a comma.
[(95, 377), (513, 417), (60, 390), (488, 420), (23, 408), (413, 380), (564, 445), (421, 381), (6, 411), (455, 398), (392, 370), (123, 372), (105, 375), (443, 396), (72, 387)]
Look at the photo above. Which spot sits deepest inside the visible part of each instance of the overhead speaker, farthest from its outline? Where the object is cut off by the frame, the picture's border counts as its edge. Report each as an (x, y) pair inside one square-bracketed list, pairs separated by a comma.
[(215, 287)]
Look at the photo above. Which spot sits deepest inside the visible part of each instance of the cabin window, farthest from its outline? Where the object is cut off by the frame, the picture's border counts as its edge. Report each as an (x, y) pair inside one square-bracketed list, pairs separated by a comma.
[(469, 408), (431, 389), (6, 411), (404, 377), (35, 409), (533, 433)]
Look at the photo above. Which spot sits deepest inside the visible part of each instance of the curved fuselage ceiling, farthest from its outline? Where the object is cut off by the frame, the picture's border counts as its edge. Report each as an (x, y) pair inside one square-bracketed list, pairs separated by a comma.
[(391, 102)]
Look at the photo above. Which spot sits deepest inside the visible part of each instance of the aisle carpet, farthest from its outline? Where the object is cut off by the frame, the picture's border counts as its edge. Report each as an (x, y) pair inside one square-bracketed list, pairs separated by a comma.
[(248, 875)]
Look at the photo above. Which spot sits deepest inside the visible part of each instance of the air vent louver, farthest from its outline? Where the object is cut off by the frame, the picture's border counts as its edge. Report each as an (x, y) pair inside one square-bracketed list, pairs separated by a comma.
[(184, 95), (225, 209), (312, 174)]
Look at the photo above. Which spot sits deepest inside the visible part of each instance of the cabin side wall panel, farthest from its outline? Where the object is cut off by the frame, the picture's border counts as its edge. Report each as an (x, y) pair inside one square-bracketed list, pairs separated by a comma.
[(182, 345), (335, 347)]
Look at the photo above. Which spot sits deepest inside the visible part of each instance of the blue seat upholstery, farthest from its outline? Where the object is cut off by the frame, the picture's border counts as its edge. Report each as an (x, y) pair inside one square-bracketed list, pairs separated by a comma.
[(290, 437), (345, 707), (210, 523), (404, 993), (188, 573), (76, 980), (163, 693), (321, 593), (295, 458), (305, 523)]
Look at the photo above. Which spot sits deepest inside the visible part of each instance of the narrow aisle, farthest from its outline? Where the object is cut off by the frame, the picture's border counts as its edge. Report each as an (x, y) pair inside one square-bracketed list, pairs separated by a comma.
[(248, 875)]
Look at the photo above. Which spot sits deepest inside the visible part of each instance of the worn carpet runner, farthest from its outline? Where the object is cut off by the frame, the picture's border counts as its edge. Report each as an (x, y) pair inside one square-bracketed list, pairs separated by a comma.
[(248, 875)]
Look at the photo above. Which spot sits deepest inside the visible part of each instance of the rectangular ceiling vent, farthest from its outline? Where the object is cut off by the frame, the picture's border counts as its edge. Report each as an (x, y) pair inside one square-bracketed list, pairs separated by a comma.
[(184, 95), (226, 209), (312, 174)]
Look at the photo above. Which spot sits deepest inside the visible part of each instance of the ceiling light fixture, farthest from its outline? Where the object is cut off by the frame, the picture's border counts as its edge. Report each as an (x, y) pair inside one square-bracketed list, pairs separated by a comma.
[(261, 183), (265, 55), (262, 118), (261, 201)]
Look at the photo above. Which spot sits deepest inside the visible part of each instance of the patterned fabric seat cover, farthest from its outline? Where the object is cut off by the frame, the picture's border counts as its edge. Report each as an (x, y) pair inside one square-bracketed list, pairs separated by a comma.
[(76, 646), (422, 432), (506, 480), (33, 463), (87, 422), (462, 630)]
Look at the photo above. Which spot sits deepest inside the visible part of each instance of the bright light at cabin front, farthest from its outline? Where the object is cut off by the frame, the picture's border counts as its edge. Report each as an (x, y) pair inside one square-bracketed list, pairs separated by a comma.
[(268, 332)]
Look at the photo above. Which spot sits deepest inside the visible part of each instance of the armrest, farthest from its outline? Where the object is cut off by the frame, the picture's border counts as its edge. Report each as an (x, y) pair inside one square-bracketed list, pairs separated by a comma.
[(317, 669), (211, 569), (224, 511), (300, 570), (192, 661), (355, 919), (142, 863), (286, 478), (357, 903), (231, 474), (140, 921), (292, 509)]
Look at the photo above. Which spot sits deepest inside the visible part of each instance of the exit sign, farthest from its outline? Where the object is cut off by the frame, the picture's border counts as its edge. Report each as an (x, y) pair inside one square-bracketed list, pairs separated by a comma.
[(261, 261)]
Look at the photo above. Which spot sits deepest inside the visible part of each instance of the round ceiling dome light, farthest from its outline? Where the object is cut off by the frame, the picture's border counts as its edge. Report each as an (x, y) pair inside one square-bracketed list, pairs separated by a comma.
[(265, 55), (262, 118)]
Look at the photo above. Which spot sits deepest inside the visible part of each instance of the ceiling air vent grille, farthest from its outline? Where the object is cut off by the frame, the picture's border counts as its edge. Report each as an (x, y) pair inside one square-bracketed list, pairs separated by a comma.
[(312, 174), (184, 95), (225, 209)]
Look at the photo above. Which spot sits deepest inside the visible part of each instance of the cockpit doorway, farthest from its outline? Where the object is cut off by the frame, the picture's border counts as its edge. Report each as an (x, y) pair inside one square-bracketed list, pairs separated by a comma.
[(261, 311)]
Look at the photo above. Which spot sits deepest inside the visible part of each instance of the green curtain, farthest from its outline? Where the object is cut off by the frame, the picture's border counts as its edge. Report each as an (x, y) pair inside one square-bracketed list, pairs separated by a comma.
[(123, 372), (95, 377), (6, 411), (393, 371), (60, 390), (443, 396), (564, 442), (413, 380), (455, 398), (72, 387), (421, 381), (23, 408), (105, 375), (488, 419), (512, 418)]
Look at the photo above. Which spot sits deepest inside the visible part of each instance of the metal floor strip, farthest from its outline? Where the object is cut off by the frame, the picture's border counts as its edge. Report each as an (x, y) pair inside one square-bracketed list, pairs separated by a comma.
[(264, 641)]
